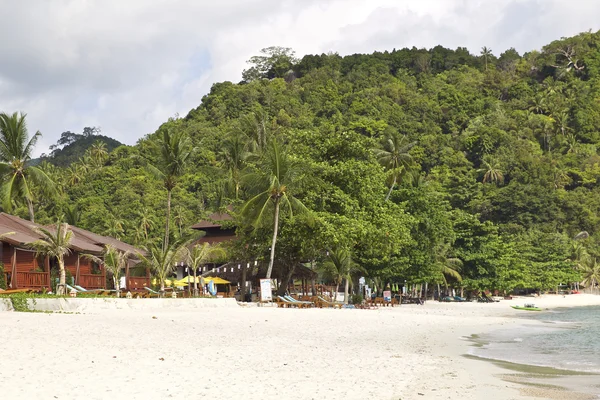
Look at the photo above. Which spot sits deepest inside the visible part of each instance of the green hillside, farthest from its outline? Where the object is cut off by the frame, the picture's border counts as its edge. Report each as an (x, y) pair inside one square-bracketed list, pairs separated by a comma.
[(497, 166), (68, 151)]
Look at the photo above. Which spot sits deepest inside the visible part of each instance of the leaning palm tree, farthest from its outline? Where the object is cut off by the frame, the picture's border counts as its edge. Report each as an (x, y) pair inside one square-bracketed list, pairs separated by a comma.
[(55, 243), (114, 261), (277, 177), (447, 266), (173, 150), (395, 158), (16, 174), (339, 266), (590, 271), (491, 171), (162, 260), (200, 255)]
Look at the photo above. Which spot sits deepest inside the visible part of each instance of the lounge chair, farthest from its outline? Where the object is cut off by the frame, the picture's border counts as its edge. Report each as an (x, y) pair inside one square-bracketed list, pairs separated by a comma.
[(293, 300), (328, 303)]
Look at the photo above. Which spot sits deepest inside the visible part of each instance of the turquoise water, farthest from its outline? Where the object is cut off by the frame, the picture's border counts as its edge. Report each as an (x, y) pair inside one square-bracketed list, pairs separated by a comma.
[(566, 339)]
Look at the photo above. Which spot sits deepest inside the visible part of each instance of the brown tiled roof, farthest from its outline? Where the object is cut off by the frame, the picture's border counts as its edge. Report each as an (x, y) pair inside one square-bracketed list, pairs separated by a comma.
[(102, 241), (24, 234), (213, 221)]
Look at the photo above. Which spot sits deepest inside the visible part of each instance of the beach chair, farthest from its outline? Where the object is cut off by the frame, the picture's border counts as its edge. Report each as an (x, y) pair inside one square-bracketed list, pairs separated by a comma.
[(294, 301), (152, 292), (332, 304), (284, 303)]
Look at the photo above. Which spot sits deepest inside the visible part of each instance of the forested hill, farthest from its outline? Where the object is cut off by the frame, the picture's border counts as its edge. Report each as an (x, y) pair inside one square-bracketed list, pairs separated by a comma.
[(71, 146), (489, 163)]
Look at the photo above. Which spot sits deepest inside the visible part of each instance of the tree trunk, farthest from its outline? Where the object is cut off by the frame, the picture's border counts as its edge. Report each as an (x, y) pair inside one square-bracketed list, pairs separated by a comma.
[(117, 286), (30, 207), (166, 242), (243, 283), (195, 284), (312, 281), (275, 229), (61, 289), (391, 188), (346, 289), (285, 281)]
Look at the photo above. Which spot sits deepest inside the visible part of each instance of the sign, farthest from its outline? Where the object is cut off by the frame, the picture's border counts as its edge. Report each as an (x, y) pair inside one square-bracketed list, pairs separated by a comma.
[(265, 290), (387, 295)]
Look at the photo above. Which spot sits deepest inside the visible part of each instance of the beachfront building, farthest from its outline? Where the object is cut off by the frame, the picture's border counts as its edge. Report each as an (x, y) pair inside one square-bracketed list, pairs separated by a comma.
[(24, 269)]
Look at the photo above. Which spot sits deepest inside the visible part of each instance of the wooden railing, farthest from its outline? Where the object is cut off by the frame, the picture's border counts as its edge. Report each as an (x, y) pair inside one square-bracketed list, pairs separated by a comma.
[(137, 282), (92, 281), (32, 279)]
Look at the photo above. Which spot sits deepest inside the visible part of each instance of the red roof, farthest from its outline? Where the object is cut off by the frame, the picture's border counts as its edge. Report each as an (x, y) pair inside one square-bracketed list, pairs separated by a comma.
[(212, 220)]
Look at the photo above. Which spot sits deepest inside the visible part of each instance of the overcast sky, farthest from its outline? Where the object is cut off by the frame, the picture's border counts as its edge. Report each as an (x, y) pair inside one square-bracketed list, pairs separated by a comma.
[(128, 65)]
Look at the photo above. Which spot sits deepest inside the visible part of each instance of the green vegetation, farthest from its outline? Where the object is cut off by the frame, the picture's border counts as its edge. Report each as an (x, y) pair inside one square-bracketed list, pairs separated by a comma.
[(435, 166), (69, 148)]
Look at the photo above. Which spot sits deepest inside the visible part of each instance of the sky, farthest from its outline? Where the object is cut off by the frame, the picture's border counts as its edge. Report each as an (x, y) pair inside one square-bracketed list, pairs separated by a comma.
[(128, 66)]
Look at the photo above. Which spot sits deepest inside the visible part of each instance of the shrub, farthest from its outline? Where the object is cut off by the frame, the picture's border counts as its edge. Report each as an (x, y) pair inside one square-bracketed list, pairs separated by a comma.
[(2, 277), (356, 298)]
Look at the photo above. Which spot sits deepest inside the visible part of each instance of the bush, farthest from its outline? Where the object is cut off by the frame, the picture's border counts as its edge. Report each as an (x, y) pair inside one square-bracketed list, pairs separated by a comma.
[(356, 299), (2, 277)]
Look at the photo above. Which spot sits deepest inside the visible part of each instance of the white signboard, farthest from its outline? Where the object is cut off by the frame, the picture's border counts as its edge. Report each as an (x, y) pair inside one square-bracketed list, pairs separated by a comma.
[(265, 290)]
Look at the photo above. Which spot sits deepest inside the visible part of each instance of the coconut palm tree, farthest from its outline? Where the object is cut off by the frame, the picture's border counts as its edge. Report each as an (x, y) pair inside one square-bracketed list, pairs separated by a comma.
[(590, 272), (114, 261), (163, 260), (200, 255), (55, 243), (276, 178), (448, 267), (173, 151), (233, 155), (395, 158), (339, 266), (115, 227), (146, 223), (486, 53), (98, 153), (491, 171), (16, 174)]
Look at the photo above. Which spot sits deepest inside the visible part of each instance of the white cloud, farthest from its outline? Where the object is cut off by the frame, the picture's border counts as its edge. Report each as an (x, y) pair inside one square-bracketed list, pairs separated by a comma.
[(128, 66)]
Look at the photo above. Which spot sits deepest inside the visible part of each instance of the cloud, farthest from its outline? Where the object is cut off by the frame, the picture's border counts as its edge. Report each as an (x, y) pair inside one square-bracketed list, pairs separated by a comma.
[(127, 66)]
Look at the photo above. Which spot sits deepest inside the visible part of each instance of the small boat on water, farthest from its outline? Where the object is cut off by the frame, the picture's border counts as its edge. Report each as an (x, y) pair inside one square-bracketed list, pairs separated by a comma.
[(527, 307)]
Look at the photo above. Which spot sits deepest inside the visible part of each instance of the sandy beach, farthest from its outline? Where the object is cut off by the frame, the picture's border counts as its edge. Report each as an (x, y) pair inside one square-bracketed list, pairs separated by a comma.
[(407, 352)]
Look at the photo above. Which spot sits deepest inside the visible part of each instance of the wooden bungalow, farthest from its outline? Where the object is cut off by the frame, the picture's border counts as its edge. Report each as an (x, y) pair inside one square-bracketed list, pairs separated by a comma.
[(22, 267), (218, 228), (24, 270)]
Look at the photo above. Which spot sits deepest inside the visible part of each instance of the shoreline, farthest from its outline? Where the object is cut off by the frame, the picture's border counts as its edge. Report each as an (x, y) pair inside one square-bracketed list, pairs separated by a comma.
[(532, 381), (407, 352)]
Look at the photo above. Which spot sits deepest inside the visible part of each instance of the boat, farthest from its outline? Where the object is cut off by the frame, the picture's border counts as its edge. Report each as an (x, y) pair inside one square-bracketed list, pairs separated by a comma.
[(527, 307)]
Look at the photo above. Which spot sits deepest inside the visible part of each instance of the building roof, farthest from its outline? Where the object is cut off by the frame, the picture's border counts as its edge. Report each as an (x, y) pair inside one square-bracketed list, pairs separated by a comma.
[(102, 241), (21, 232), (213, 220)]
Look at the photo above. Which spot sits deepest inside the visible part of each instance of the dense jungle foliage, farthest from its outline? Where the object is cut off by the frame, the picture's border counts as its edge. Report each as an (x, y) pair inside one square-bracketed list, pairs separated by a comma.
[(436, 166)]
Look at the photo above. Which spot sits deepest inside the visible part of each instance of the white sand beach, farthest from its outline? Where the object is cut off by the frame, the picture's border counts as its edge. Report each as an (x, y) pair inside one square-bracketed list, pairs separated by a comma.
[(407, 352)]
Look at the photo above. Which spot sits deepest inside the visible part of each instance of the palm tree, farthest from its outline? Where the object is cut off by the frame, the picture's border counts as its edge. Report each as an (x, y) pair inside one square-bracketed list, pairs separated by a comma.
[(146, 223), (234, 152), (486, 53), (114, 261), (174, 151), (99, 152), (15, 172), (200, 255), (275, 179), (75, 174), (590, 272), (179, 219), (72, 214), (340, 266), (448, 267), (491, 171), (162, 260), (55, 244), (115, 227), (394, 157)]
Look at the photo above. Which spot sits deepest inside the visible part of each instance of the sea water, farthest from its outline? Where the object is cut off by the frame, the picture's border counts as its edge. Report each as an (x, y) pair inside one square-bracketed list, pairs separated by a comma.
[(566, 339)]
